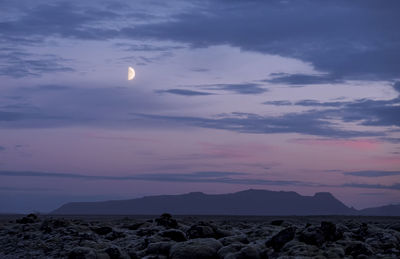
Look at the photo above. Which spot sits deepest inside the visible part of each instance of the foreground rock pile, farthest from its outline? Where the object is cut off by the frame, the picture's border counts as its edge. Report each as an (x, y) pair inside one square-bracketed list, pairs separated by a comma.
[(199, 237)]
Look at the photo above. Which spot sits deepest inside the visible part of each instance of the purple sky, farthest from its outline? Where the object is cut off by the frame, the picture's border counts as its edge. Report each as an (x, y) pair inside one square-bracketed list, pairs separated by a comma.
[(228, 95)]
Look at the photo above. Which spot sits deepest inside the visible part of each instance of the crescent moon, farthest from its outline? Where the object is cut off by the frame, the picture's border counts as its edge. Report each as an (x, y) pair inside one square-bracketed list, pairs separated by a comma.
[(131, 73)]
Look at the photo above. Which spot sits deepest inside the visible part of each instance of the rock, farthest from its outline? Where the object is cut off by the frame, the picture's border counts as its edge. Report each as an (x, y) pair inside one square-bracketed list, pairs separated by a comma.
[(155, 257), (229, 249), (358, 248), (135, 226), (234, 239), (82, 253), (395, 226), (200, 231), (161, 248), (334, 252), (174, 234), (48, 225), (247, 252), (114, 252), (280, 239), (147, 232), (102, 230), (31, 218), (113, 235), (167, 221), (299, 250), (312, 235), (200, 248), (278, 222), (330, 232)]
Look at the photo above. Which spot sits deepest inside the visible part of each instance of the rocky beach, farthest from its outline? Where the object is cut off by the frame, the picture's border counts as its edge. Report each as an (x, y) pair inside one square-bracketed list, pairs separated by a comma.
[(176, 237)]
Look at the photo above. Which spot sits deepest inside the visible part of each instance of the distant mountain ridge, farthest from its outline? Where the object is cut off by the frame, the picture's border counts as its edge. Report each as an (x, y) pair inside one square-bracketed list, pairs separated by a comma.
[(248, 202), (388, 210)]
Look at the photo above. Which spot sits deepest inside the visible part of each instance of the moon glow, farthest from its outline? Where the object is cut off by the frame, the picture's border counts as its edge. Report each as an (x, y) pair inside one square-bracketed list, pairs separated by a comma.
[(131, 73)]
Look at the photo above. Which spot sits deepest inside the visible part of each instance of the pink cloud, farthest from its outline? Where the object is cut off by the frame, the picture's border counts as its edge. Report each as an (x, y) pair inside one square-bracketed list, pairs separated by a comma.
[(359, 144)]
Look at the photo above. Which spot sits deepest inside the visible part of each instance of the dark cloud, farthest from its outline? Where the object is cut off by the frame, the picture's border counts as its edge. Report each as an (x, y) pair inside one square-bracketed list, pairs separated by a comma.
[(321, 104), (395, 186), (391, 140), (197, 69), (355, 39), (364, 111), (61, 19), (278, 103), (18, 63), (311, 103), (62, 105), (372, 112), (184, 92), (372, 173), (2, 148), (310, 123), (195, 177), (303, 79), (249, 88), (146, 47), (344, 39), (23, 189)]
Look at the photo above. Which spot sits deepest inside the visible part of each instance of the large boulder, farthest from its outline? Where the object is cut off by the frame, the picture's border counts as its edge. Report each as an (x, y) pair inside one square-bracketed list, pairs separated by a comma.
[(200, 248), (167, 221), (174, 234), (31, 218), (357, 248), (159, 248), (280, 239), (82, 253), (200, 231), (104, 230), (312, 235), (242, 238), (247, 252)]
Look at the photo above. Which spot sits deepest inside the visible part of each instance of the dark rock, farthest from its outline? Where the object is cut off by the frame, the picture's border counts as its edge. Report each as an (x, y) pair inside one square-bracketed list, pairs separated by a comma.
[(312, 235), (174, 234), (113, 235), (234, 239), (167, 221), (229, 249), (114, 252), (49, 224), (395, 226), (146, 232), (200, 231), (162, 248), (247, 252), (135, 226), (31, 218), (102, 230), (278, 222), (200, 248), (358, 248), (330, 232), (280, 239), (82, 253), (296, 249)]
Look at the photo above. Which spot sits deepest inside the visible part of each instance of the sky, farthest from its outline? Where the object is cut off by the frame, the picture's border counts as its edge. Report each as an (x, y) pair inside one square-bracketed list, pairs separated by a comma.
[(228, 95)]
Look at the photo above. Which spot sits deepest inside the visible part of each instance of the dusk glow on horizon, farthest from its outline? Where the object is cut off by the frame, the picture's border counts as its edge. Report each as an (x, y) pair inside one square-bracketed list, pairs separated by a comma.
[(220, 96)]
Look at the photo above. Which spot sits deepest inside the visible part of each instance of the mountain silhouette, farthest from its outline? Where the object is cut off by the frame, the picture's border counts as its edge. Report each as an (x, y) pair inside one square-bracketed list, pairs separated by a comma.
[(249, 202), (388, 210)]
